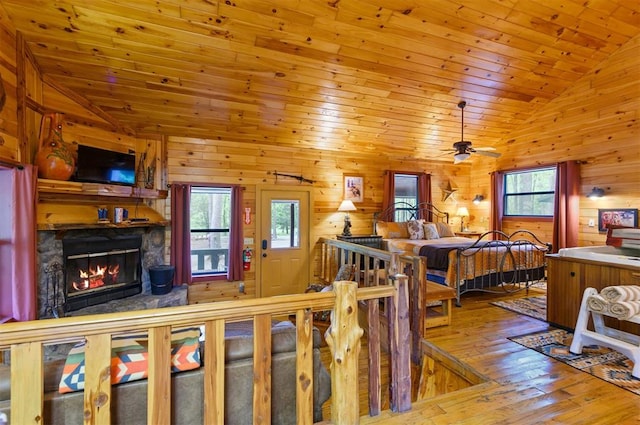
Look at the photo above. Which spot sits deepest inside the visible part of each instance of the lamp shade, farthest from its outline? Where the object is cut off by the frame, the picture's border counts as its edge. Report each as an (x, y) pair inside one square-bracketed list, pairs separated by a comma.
[(462, 212), (347, 205)]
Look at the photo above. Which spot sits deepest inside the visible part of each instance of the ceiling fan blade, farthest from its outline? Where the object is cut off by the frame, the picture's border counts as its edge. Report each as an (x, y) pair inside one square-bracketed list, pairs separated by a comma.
[(485, 148), (487, 153)]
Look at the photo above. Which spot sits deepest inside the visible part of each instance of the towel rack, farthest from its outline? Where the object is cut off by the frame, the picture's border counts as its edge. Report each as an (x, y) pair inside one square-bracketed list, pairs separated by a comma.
[(624, 342)]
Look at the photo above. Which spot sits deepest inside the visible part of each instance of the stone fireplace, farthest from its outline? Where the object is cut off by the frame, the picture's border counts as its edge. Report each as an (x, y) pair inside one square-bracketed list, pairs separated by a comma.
[(113, 261)]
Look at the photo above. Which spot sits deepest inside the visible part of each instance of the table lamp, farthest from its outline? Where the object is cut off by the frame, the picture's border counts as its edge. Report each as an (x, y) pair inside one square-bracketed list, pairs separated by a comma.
[(462, 213), (347, 206)]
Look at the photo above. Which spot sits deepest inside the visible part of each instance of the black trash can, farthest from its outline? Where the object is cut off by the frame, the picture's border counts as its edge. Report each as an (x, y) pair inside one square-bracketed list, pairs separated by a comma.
[(161, 278)]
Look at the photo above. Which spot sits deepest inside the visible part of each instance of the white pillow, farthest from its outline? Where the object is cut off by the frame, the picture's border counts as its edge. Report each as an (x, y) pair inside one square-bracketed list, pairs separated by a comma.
[(444, 230), (430, 231)]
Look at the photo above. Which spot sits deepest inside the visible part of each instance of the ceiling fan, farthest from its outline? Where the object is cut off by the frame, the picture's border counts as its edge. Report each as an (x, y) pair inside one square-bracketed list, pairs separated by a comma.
[(463, 148)]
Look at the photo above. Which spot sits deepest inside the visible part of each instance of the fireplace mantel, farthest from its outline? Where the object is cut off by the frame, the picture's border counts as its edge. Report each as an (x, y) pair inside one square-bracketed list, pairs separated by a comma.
[(65, 205), (66, 216), (47, 187)]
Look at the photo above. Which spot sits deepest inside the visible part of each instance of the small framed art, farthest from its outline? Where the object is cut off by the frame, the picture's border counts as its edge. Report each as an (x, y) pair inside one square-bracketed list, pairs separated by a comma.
[(354, 188), (627, 217)]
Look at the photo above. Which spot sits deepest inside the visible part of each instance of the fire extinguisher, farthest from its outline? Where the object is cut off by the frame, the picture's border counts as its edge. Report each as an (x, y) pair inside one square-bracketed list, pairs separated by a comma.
[(246, 259)]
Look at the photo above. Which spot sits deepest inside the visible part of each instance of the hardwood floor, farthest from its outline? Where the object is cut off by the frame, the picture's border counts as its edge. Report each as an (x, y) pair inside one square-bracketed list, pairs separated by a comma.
[(524, 387)]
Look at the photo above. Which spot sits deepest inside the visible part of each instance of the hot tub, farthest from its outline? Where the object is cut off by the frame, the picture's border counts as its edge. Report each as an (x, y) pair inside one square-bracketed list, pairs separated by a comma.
[(604, 253)]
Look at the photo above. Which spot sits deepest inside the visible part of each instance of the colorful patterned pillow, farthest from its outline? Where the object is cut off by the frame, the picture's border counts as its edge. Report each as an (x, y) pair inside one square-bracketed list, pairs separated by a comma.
[(129, 358), (415, 229), (431, 231)]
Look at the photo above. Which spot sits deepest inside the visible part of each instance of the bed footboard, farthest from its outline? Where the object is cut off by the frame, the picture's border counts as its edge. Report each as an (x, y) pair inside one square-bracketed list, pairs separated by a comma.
[(498, 263)]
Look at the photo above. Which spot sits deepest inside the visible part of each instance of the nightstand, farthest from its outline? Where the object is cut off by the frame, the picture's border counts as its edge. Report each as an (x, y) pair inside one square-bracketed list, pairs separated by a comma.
[(468, 234), (372, 241)]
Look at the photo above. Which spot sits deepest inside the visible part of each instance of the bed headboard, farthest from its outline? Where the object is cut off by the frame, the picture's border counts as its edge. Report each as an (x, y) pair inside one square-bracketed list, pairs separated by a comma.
[(406, 212)]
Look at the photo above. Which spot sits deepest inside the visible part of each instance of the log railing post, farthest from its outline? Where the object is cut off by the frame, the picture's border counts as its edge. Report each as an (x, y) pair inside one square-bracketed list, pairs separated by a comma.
[(399, 346), (343, 339)]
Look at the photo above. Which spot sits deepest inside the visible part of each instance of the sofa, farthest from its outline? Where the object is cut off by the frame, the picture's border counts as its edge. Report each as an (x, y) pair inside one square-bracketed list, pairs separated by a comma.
[(129, 399)]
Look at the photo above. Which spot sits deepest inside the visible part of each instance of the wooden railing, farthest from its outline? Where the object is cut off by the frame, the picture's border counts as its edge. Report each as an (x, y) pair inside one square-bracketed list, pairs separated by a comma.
[(372, 266), (213, 254), (26, 341)]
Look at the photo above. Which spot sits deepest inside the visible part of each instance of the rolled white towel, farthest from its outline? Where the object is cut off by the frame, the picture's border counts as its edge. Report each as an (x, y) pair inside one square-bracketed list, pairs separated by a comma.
[(597, 303), (623, 310), (621, 293)]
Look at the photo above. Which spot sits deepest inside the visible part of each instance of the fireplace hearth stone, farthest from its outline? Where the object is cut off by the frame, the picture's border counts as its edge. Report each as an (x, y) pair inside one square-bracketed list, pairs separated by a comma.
[(177, 297)]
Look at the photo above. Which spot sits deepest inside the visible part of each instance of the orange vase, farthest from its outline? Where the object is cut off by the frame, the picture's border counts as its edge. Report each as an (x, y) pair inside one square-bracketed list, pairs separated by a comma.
[(54, 158)]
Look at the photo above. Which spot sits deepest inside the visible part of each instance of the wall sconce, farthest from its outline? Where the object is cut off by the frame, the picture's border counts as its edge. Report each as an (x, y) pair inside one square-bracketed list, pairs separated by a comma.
[(346, 206), (462, 213), (596, 192), (478, 199)]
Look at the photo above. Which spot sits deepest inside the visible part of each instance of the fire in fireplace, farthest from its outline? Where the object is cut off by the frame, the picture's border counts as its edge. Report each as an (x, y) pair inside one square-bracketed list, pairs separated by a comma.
[(100, 269)]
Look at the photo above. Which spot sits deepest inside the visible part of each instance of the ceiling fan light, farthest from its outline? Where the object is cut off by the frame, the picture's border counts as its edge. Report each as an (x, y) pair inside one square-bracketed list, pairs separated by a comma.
[(461, 156)]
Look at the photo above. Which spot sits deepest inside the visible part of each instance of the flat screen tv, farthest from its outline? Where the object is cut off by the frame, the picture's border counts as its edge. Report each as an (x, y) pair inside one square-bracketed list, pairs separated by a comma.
[(103, 166)]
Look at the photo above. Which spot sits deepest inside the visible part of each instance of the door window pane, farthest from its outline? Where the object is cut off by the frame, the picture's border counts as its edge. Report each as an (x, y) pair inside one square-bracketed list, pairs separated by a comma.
[(285, 224)]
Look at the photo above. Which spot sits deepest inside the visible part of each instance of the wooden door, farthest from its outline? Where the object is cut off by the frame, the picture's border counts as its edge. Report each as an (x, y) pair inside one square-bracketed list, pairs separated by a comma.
[(283, 246)]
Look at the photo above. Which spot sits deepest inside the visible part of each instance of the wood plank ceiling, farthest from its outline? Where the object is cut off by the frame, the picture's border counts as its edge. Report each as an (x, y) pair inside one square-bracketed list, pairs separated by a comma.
[(381, 76)]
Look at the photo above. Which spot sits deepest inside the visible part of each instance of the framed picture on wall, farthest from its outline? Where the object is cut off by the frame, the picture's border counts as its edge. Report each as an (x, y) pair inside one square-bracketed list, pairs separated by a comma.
[(627, 217), (354, 188)]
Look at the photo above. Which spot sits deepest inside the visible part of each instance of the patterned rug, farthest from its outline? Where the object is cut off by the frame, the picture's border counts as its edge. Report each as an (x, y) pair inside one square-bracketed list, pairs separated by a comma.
[(600, 362), (535, 307)]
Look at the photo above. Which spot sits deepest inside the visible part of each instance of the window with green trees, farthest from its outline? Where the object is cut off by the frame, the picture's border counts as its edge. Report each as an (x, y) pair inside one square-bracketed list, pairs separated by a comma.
[(530, 193), (210, 223)]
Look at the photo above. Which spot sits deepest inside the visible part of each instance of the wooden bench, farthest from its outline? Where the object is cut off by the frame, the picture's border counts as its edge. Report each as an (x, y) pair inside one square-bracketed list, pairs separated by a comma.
[(438, 315), (435, 315)]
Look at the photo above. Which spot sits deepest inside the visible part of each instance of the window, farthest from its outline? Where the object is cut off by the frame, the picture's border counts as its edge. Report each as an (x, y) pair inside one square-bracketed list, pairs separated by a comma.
[(285, 224), (529, 193), (405, 192), (210, 229)]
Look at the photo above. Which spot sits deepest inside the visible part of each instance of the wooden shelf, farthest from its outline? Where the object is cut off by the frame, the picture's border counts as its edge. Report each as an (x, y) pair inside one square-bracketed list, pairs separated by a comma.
[(64, 215), (80, 226), (59, 187)]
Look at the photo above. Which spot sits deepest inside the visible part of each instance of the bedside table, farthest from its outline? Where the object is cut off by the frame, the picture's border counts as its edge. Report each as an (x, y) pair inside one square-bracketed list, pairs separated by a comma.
[(468, 234), (372, 241)]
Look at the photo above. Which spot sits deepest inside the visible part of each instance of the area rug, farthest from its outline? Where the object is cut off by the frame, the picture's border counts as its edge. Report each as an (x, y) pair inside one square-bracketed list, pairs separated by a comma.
[(601, 362), (535, 307)]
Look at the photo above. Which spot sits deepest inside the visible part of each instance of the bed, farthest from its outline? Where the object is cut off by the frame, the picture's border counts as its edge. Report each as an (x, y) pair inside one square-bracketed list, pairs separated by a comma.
[(494, 262)]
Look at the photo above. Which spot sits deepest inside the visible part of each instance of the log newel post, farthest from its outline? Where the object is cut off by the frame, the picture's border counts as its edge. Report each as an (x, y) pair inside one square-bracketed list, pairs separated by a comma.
[(400, 346), (343, 339)]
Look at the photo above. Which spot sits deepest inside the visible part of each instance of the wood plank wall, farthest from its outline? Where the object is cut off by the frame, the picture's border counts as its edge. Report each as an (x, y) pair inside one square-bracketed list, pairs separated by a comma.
[(8, 117), (218, 161), (595, 122)]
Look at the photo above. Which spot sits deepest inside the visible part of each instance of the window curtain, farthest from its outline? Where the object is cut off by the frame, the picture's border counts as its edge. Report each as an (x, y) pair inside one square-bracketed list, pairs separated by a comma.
[(389, 189), (235, 271), (180, 233), (566, 206), (497, 198), (18, 288), (424, 194)]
